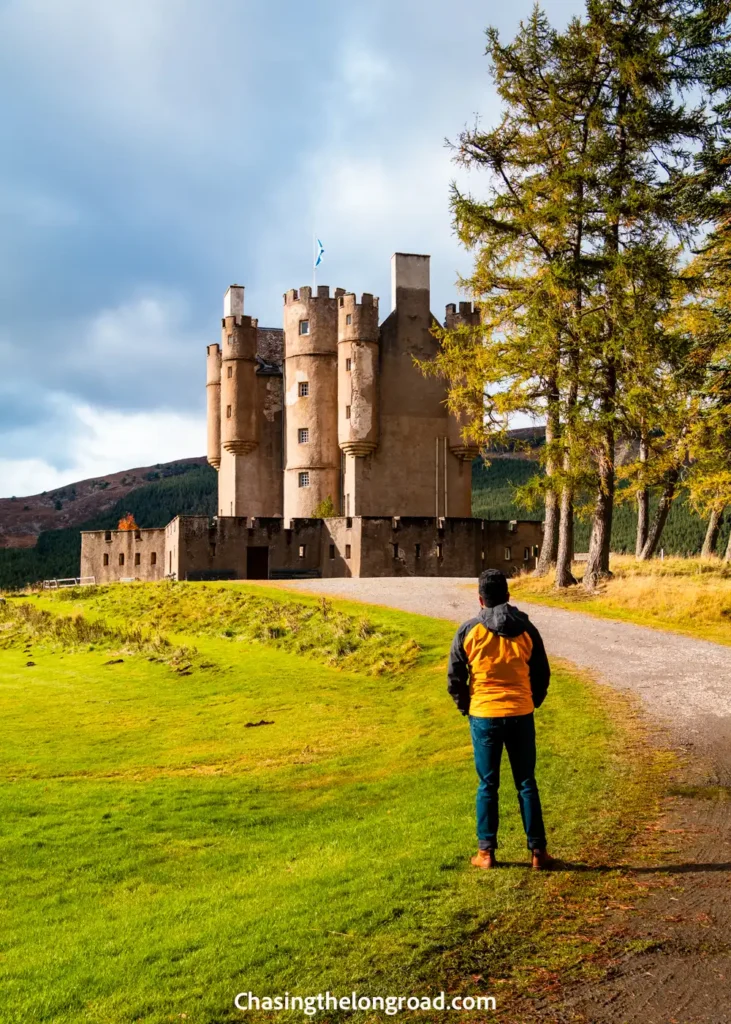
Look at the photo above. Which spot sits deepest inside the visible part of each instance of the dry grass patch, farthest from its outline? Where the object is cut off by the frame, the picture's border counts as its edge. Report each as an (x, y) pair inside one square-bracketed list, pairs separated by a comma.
[(685, 595)]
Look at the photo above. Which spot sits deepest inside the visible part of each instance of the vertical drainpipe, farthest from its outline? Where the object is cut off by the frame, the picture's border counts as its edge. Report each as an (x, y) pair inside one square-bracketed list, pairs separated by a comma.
[(436, 478), (446, 513)]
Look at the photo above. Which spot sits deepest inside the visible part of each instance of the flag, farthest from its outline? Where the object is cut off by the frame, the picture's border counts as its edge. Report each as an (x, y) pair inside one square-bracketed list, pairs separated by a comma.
[(320, 251)]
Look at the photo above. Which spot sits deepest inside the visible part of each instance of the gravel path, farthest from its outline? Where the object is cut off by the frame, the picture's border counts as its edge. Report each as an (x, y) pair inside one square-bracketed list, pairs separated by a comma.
[(683, 682)]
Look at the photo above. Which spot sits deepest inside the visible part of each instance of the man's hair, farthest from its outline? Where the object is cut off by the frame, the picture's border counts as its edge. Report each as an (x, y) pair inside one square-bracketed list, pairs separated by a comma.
[(493, 587)]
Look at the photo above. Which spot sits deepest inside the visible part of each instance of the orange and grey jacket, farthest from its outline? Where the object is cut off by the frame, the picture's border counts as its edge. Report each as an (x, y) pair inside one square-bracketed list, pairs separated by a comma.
[(498, 665)]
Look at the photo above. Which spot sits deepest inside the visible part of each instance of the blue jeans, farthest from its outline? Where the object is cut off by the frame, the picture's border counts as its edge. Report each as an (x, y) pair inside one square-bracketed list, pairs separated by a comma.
[(517, 733)]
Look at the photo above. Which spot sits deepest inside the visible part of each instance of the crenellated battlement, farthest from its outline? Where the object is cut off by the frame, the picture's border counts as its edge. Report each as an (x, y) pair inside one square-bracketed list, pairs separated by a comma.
[(239, 321), (468, 314)]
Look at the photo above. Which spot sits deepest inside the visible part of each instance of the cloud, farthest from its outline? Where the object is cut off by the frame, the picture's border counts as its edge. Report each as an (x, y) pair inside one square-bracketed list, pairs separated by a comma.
[(98, 441), (156, 152)]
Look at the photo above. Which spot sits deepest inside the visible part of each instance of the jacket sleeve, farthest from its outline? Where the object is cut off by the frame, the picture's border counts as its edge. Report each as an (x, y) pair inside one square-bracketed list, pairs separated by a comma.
[(538, 667), (458, 673)]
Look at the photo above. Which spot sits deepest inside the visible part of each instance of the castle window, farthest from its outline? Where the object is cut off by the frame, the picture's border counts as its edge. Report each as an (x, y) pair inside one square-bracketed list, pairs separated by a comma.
[(302, 551), (121, 559), (107, 535), (348, 319), (138, 535), (347, 550), (229, 371), (106, 559), (304, 480), (137, 558), (228, 412), (304, 388), (347, 412), (230, 339), (526, 554), (348, 364), (348, 521), (417, 551), (332, 551), (153, 558), (536, 551), (508, 554), (440, 551), (303, 435), (304, 326), (395, 550)]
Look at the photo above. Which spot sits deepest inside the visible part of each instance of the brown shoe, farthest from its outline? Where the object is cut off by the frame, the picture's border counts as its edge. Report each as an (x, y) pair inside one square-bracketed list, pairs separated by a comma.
[(484, 859), (542, 860)]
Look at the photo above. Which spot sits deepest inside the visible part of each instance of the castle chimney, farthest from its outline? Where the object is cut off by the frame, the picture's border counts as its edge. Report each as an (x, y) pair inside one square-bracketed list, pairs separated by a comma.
[(233, 301), (409, 272)]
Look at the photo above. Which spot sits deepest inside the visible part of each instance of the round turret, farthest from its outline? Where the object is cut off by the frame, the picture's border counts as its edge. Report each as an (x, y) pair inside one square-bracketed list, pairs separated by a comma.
[(213, 404), (466, 317), (358, 411), (239, 421), (312, 460)]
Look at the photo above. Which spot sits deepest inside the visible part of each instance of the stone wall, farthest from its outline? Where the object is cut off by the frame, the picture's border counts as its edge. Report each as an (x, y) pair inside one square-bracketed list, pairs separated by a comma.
[(231, 547), (111, 555)]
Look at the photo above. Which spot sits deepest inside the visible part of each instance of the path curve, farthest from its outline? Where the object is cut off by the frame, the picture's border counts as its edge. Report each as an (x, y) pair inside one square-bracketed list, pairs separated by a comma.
[(683, 682)]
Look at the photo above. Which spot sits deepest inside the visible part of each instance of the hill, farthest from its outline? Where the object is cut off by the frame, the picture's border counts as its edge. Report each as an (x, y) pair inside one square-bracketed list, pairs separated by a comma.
[(22, 520), (178, 488)]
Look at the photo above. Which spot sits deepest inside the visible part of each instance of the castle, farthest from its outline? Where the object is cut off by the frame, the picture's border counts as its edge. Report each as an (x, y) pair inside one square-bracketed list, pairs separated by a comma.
[(336, 455)]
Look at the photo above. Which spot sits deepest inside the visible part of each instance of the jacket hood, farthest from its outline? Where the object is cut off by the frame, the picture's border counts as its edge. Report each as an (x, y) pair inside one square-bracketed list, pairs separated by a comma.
[(505, 620)]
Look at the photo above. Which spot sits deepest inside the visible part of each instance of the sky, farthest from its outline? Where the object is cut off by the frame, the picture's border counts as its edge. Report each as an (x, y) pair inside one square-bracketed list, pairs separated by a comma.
[(156, 151)]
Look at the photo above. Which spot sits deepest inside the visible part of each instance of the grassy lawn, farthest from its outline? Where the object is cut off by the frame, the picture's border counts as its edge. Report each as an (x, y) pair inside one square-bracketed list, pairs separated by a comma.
[(683, 595), (163, 848)]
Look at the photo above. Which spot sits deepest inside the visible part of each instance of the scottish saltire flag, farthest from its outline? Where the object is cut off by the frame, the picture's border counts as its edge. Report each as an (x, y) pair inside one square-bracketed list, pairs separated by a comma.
[(320, 251)]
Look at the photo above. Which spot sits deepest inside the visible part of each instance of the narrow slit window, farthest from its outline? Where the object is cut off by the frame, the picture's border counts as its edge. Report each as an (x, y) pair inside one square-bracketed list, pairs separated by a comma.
[(508, 554), (228, 412), (229, 371), (302, 550), (348, 521), (440, 551), (303, 435), (153, 558), (304, 479), (304, 326), (348, 364), (108, 535), (138, 558), (106, 559), (332, 551), (347, 550), (347, 412), (348, 319), (230, 339), (395, 550), (417, 551), (121, 559), (526, 554), (304, 388)]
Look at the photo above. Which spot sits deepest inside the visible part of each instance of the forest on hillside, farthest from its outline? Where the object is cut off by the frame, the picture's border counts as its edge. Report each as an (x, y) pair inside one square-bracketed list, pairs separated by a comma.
[(193, 492)]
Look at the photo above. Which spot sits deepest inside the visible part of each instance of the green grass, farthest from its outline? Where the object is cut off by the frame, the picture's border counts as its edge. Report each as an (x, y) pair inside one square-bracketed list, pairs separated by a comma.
[(159, 853)]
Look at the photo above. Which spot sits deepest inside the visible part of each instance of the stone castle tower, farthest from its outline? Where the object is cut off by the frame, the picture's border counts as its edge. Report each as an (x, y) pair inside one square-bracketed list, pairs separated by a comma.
[(335, 407)]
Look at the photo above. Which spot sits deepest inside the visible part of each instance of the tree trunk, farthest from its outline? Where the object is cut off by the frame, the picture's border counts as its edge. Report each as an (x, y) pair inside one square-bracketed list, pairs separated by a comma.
[(549, 547), (597, 564), (661, 515), (643, 503), (727, 556), (565, 555), (714, 525)]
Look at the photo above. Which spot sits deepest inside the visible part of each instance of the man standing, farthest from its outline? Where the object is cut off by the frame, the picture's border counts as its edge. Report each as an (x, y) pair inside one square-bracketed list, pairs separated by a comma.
[(498, 673)]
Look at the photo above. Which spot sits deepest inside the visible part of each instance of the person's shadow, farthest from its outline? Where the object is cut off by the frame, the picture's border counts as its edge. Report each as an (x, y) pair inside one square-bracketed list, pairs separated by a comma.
[(660, 869)]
